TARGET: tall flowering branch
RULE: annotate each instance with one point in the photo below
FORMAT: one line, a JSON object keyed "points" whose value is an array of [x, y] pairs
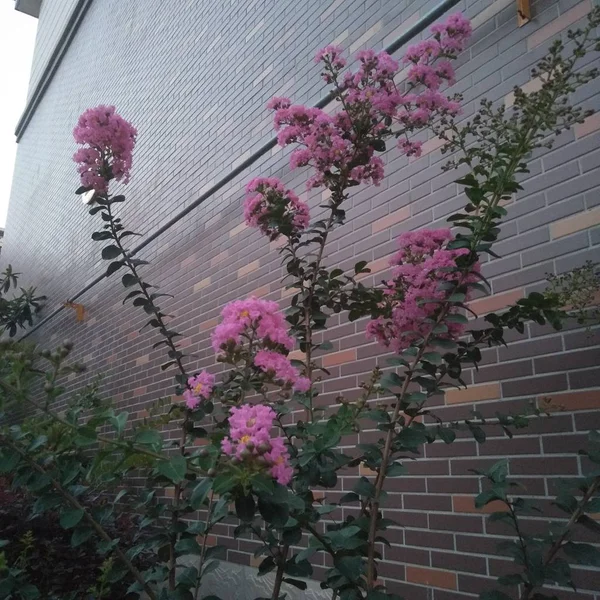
{"points": [[342, 150], [108, 141]]}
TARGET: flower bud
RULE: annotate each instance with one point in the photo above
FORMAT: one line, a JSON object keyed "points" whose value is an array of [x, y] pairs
{"points": [[211, 472], [68, 345], [262, 448], [48, 387], [250, 446]]}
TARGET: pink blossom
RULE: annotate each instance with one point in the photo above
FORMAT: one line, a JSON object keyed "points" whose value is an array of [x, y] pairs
{"points": [[278, 367], [419, 267], [250, 438], [276, 103], [199, 388], [332, 55], [411, 148], [254, 318], [273, 209], [109, 141], [333, 145], [302, 384]]}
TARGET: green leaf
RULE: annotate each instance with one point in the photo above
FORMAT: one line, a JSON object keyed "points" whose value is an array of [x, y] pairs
{"points": [[396, 470], [589, 523], [364, 487], [38, 442], [110, 252], [81, 535], [8, 462], [113, 267], [351, 567], [411, 438], [200, 492], [188, 578], [70, 518], [446, 434], [174, 470], [498, 472], [149, 437], [224, 483], [120, 421], [485, 498], [29, 592], [98, 236], [391, 380], [298, 583], [583, 554], [359, 267], [128, 280], [261, 484], [188, 546], [245, 507], [434, 358]]}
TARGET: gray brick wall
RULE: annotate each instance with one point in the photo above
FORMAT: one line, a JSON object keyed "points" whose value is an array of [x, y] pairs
{"points": [[52, 21], [194, 78]]}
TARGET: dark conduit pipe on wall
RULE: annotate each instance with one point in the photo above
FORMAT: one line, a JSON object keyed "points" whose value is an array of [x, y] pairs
{"points": [[424, 22]]}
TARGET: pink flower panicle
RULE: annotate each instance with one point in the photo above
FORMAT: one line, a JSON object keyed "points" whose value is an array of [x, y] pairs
{"points": [[250, 441], [419, 267], [251, 316], [108, 142], [330, 143], [273, 209], [280, 369], [199, 388], [261, 321]]}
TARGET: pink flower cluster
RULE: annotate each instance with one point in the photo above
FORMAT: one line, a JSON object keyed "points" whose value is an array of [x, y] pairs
{"points": [[329, 143], [258, 324], [109, 141], [199, 388], [419, 267], [279, 368], [250, 441], [273, 209], [345, 142]]}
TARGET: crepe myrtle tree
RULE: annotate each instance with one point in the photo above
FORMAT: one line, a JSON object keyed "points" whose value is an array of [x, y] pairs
{"points": [[271, 449]]}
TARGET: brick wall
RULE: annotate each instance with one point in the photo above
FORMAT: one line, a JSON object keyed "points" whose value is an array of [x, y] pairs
{"points": [[194, 78]]}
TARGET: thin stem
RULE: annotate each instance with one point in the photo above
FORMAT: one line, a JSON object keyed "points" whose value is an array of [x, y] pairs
{"points": [[204, 544], [175, 514], [155, 311], [316, 266], [94, 524], [280, 571], [176, 356], [555, 548]]}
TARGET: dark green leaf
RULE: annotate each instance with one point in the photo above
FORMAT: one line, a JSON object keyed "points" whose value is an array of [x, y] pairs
{"points": [[174, 469], [583, 554], [200, 492], [110, 252], [70, 518], [81, 535], [114, 266]]}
